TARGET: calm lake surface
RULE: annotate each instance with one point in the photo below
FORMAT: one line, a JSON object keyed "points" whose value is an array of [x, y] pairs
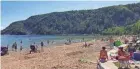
{"points": [[30, 39]]}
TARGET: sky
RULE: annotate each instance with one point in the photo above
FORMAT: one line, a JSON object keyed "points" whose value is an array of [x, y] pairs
{"points": [[12, 11]]}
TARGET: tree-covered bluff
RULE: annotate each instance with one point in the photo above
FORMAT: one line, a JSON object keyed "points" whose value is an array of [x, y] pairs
{"points": [[97, 21]]}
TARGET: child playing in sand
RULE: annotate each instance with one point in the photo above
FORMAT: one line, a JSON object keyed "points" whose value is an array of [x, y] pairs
{"points": [[103, 55]]}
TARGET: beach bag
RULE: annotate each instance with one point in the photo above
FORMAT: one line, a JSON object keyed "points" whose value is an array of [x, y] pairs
{"points": [[136, 56]]}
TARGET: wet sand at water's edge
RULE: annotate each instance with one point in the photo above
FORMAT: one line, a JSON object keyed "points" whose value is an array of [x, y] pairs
{"points": [[73, 56]]}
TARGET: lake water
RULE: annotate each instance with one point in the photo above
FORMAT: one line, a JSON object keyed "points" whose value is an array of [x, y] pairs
{"points": [[30, 39]]}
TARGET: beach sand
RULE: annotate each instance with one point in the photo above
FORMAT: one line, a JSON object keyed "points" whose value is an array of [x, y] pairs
{"points": [[73, 56]]}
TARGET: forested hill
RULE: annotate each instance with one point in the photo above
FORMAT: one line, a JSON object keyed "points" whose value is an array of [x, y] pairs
{"points": [[129, 29], [95, 21]]}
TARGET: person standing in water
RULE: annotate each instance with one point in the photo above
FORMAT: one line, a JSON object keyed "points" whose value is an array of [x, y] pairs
{"points": [[42, 45], [21, 46], [14, 46], [35, 45]]}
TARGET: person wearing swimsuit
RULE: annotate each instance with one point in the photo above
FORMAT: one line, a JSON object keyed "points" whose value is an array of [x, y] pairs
{"points": [[103, 55]]}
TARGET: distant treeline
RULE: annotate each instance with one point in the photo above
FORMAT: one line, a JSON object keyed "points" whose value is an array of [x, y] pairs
{"points": [[129, 29]]}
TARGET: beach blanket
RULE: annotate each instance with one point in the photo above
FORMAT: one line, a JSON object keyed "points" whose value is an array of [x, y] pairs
{"points": [[107, 65]]}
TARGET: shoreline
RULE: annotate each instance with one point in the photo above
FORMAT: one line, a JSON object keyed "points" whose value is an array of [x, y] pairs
{"points": [[55, 57]]}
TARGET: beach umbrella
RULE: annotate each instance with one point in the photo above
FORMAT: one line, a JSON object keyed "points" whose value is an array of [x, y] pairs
{"points": [[117, 43]]}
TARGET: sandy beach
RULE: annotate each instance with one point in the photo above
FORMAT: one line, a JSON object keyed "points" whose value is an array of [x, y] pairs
{"points": [[73, 56]]}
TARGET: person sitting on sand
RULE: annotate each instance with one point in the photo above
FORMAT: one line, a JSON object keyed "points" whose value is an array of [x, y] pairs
{"points": [[33, 49], [131, 49], [85, 45], [123, 57], [126, 41], [103, 55]]}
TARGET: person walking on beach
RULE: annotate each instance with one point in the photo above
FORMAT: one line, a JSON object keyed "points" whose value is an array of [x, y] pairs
{"points": [[7, 49], [103, 55], [35, 45], [85, 45], [48, 42], [111, 42], [83, 39], [42, 45], [15, 46], [69, 41], [21, 46]]}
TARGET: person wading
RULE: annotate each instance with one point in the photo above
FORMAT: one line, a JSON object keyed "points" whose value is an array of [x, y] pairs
{"points": [[21, 46], [14, 46]]}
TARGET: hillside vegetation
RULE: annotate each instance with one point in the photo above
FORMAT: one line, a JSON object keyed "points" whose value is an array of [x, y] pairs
{"points": [[130, 29], [107, 20]]}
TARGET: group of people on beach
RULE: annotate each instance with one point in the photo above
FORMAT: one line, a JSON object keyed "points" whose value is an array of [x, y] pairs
{"points": [[123, 55], [14, 46], [33, 47]]}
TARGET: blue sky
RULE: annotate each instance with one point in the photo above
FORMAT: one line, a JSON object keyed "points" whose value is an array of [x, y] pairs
{"points": [[20, 10]]}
